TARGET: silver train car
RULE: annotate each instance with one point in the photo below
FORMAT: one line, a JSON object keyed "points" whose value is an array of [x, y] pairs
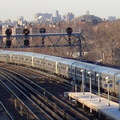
{"points": [[70, 69]]}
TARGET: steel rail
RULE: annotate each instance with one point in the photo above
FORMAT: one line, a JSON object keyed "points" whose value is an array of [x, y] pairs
{"points": [[74, 111], [17, 97], [11, 118], [35, 103]]}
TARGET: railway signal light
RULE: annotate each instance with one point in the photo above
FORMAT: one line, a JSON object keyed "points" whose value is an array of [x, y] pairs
{"points": [[8, 43], [43, 41], [8, 32], [26, 32], [69, 30], [69, 41], [26, 42], [42, 30]]}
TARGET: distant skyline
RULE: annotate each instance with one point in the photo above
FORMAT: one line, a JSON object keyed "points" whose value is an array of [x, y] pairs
{"points": [[11, 9]]}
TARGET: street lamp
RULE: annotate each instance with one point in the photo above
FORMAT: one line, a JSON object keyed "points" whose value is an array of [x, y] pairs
{"points": [[90, 78], [82, 81], [98, 76], [119, 93], [108, 85]]}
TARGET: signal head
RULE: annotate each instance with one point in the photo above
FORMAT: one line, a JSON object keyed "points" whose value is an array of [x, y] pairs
{"points": [[69, 30], [26, 31], [42, 30], [26, 42], [8, 32], [8, 43]]}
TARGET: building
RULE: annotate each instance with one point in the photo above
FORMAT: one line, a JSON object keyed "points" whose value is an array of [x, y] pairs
{"points": [[68, 17], [88, 18], [111, 18], [21, 18], [21, 21], [57, 18], [42, 17]]}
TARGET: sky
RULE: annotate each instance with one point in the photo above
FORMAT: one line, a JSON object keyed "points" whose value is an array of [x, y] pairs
{"points": [[11, 9]]}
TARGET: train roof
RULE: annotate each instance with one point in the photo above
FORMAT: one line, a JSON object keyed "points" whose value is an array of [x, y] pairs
{"points": [[53, 58], [22, 53], [40, 55], [84, 65], [68, 61], [97, 68], [106, 71], [6, 52], [117, 77]]}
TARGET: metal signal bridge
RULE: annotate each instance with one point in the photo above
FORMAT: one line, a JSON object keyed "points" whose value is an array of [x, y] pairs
{"points": [[43, 39]]}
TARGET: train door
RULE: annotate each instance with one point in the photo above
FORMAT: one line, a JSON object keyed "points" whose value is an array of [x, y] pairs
{"points": [[73, 72], [44, 63], [56, 67], [115, 84]]}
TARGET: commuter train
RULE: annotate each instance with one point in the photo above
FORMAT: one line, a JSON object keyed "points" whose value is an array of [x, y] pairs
{"points": [[71, 69]]}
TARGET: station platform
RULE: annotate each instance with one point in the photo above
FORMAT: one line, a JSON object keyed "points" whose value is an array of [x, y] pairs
{"points": [[102, 107]]}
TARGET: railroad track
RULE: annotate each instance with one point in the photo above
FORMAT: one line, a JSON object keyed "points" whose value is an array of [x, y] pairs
{"points": [[16, 94], [66, 84], [4, 113], [43, 91], [42, 100]]}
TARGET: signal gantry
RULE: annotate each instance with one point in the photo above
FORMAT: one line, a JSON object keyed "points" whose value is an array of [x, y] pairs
{"points": [[43, 39]]}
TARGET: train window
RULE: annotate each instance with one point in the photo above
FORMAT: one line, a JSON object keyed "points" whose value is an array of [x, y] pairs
{"points": [[104, 79], [64, 68], [117, 83], [15, 57], [26, 59], [69, 69], [87, 75], [73, 70], [111, 81], [100, 78], [78, 72], [92, 76], [49, 64], [5, 56], [37, 61]]}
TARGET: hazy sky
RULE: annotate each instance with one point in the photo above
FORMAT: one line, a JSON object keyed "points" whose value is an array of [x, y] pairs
{"points": [[15, 8]]}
